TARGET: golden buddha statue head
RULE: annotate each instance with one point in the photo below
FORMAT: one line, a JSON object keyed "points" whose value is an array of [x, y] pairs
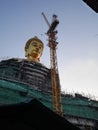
{"points": [[33, 49]]}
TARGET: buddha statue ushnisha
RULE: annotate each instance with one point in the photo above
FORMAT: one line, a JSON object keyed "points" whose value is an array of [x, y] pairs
{"points": [[33, 49]]}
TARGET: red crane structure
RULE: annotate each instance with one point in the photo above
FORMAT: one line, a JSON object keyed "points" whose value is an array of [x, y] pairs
{"points": [[56, 88]]}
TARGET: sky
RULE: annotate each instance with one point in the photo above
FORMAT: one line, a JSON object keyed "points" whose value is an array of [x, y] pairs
{"points": [[77, 51]]}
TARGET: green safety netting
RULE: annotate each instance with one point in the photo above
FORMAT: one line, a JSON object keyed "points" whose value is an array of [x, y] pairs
{"points": [[15, 92]]}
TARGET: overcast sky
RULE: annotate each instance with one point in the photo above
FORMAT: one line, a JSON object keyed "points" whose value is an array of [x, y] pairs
{"points": [[77, 50]]}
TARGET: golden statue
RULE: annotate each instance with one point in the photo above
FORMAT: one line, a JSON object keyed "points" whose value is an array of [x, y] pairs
{"points": [[33, 49]]}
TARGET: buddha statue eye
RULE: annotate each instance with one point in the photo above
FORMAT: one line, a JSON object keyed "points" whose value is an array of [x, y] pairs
{"points": [[40, 47]]}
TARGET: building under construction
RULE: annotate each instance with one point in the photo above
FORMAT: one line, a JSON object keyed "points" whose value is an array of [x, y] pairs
{"points": [[22, 80]]}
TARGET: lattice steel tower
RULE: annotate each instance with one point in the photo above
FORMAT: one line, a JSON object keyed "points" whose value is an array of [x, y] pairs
{"points": [[56, 88]]}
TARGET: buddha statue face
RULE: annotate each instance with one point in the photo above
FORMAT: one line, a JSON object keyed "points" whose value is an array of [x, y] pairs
{"points": [[33, 49]]}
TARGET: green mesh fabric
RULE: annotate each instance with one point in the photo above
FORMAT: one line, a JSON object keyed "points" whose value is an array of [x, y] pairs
{"points": [[15, 92]]}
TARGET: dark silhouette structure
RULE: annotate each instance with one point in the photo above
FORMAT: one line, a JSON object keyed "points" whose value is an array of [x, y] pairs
{"points": [[32, 116], [92, 4]]}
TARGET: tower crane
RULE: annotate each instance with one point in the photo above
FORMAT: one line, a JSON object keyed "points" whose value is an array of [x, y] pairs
{"points": [[56, 88]]}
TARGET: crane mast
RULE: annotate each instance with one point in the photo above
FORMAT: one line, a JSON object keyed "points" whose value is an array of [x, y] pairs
{"points": [[56, 88]]}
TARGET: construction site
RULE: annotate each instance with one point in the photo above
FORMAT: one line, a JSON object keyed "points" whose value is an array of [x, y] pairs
{"points": [[22, 80]]}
